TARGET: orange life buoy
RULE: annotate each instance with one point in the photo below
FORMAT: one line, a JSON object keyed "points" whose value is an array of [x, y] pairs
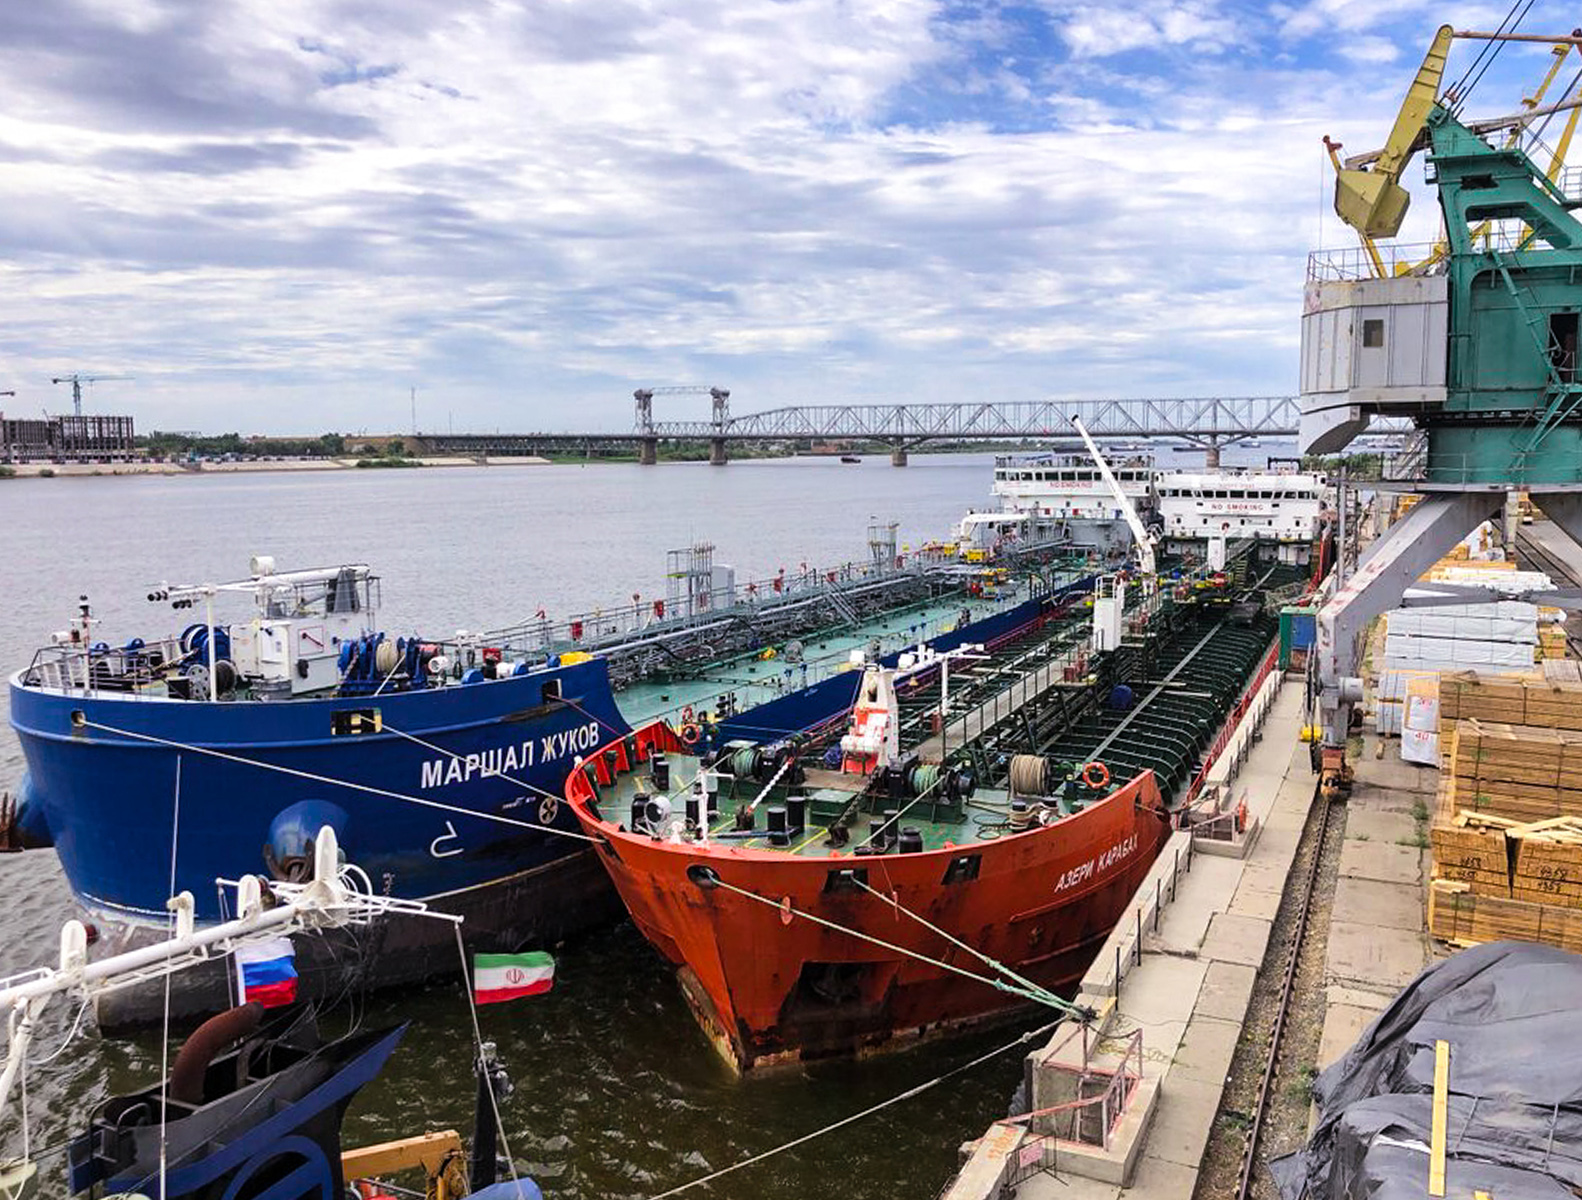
{"points": [[1241, 817], [1102, 771], [691, 733]]}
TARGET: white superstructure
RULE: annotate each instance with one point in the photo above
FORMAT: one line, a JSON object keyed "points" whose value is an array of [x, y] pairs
{"points": [[1069, 490], [1280, 506]]}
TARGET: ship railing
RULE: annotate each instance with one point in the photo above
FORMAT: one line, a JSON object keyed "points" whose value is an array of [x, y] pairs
{"points": [[1232, 721], [657, 615], [1468, 470], [131, 670]]}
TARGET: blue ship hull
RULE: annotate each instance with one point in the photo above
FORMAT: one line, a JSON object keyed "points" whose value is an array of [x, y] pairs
{"points": [[413, 802]]}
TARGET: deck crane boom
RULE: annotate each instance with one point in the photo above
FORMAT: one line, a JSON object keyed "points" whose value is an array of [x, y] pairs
{"points": [[1370, 198], [1144, 539]]}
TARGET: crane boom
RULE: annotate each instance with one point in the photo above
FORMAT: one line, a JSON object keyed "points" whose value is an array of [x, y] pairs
{"points": [[77, 381], [1145, 542], [1372, 201]]}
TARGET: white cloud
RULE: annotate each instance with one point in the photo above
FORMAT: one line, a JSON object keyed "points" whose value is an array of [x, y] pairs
{"points": [[281, 215]]}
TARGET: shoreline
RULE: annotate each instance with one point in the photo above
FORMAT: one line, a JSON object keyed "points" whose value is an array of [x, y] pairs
{"points": [[36, 470]]}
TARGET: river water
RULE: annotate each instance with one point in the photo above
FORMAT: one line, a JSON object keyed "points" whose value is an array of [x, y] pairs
{"points": [[618, 1093]]}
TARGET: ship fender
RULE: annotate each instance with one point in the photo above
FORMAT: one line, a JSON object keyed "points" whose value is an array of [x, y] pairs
{"points": [[288, 853]]}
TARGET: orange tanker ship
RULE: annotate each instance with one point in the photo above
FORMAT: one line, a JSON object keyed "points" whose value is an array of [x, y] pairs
{"points": [[832, 897], [792, 942]]}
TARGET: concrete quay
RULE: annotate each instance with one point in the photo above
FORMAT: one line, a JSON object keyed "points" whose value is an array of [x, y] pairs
{"points": [[1205, 921]]}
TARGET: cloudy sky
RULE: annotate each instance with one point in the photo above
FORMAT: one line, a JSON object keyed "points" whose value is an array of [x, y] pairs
{"points": [[280, 215]]}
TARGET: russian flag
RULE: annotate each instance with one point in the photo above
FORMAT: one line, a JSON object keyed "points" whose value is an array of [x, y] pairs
{"points": [[267, 972]]}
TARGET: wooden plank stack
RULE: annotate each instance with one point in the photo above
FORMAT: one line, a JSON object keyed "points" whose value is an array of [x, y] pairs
{"points": [[1457, 914], [1507, 831], [1523, 772], [1511, 700], [1468, 847]]}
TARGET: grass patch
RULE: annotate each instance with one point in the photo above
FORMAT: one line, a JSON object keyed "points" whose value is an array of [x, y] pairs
{"points": [[7, 472], [1301, 1087], [1420, 810], [1418, 839], [46, 473], [1361, 837]]}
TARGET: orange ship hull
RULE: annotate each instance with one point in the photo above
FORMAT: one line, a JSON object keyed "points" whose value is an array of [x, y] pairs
{"points": [[770, 984]]}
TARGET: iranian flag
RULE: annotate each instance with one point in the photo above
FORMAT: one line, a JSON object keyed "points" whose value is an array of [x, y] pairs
{"points": [[497, 977]]}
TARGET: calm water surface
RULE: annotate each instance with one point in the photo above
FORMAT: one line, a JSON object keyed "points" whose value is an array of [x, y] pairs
{"points": [[618, 1093]]}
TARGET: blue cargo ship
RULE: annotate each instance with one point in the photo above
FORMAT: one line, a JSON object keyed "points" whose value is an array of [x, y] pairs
{"points": [[439, 763]]}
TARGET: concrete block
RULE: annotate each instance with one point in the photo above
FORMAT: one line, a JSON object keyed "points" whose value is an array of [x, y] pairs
{"points": [[1117, 1164], [1181, 1126], [987, 1165], [1226, 991], [1380, 825], [1205, 1052], [1388, 863], [1369, 902], [1237, 939], [1343, 1025], [1249, 902], [1160, 1179], [1373, 957], [1263, 875]]}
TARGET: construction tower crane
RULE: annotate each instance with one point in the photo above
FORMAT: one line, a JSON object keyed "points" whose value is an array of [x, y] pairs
{"points": [[1140, 534], [77, 381]]}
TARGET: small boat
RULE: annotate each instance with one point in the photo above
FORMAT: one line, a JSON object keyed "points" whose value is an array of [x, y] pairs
{"points": [[254, 1100], [850, 458]]}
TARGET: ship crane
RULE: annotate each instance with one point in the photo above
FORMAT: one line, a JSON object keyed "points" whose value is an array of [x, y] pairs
{"points": [[1140, 533], [1477, 345], [77, 381]]}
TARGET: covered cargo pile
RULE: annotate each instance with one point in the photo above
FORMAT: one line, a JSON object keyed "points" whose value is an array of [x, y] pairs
{"points": [[1507, 1013], [1497, 637], [1507, 831]]}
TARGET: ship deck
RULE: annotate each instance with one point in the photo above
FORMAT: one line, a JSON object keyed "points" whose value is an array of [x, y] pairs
{"points": [[984, 817], [755, 680]]}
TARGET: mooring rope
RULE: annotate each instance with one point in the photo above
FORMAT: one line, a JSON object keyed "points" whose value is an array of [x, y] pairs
{"points": [[1037, 996], [1029, 1036], [1051, 999], [422, 801]]}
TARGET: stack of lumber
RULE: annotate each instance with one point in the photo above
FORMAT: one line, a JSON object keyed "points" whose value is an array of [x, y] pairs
{"points": [[1551, 641], [1520, 772], [1469, 847], [1507, 832], [1511, 700], [1459, 915], [1562, 671]]}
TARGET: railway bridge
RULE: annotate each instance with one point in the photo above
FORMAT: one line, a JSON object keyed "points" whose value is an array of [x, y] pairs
{"points": [[1210, 422]]}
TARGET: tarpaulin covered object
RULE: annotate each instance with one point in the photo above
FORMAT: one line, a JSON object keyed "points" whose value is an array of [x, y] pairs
{"points": [[1512, 1015]]}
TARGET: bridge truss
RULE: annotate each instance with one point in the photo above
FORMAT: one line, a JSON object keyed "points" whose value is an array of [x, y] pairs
{"points": [[1213, 418]]}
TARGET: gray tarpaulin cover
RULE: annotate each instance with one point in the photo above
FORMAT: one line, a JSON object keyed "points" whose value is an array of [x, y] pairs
{"points": [[1512, 1013]]}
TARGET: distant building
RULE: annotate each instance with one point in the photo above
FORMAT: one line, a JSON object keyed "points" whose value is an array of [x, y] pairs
{"points": [[67, 438]]}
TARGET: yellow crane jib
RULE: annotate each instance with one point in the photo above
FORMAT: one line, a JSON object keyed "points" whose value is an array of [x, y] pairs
{"points": [[1370, 198]]}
